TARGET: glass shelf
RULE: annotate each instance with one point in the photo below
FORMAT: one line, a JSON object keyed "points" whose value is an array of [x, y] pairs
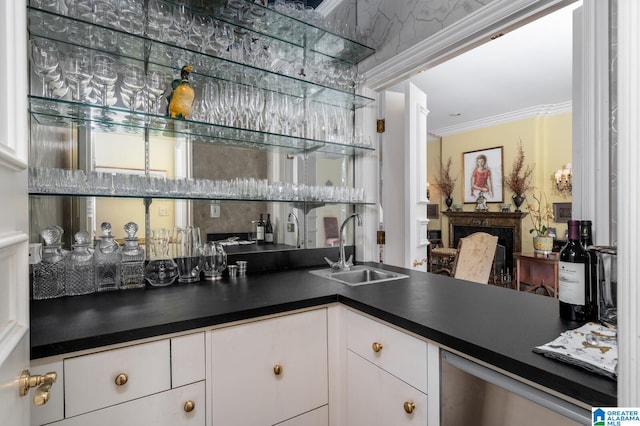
{"points": [[74, 183], [79, 33], [63, 113]]}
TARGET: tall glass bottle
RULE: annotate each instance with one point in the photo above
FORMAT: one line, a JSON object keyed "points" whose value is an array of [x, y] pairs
{"points": [[268, 230], [80, 266], [49, 274], [574, 292], [260, 231], [132, 272], [108, 256], [586, 239]]}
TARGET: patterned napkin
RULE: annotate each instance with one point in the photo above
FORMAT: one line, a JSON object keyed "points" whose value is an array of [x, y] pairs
{"points": [[592, 346]]}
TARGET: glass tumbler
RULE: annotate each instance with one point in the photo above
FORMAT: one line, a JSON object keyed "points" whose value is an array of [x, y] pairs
{"points": [[188, 253]]}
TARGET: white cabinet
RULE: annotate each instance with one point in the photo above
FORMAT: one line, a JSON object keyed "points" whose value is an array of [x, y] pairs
{"points": [[269, 371], [392, 377], [159, 382], [317, 417]]}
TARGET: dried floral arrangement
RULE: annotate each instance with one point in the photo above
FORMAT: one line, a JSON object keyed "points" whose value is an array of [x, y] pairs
{"points": [[541, 214], [519, 180], [444, 182]]}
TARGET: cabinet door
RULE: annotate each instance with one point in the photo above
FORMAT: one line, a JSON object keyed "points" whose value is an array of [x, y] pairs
{"points": [[375, 397], [164, 409], [269, 371]]}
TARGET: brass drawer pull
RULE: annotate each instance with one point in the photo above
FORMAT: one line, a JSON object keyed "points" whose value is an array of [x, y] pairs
{"points": [[409, 407], [277, 369], [189, 406], [377, 347], [121, 379], [42, 382]]}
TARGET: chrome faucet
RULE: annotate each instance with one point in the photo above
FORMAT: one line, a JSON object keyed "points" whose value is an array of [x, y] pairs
{"points": [[341, 264]]}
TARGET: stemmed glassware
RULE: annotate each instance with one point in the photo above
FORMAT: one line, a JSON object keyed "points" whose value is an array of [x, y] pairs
{"points": [[182, 19], [77, 72], [203, 30], [45, 59], [133, 81], [160, 18], [157, 83]]}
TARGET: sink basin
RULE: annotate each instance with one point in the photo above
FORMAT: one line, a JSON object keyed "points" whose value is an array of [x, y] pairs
{"points": [[359, 275]]}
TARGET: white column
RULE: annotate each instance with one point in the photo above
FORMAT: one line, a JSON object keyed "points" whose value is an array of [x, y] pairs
{"points": [[628, 202]]}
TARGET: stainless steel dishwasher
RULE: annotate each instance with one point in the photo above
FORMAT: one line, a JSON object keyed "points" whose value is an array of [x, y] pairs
{"points": [[472, 394]]}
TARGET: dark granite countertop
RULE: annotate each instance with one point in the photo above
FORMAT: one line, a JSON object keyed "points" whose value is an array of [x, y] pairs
{"points": [[495, 325]]}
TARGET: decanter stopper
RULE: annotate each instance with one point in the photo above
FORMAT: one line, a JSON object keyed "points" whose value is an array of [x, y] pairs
{"points": [[52, 235], [106, 229], [131, 228], [81, 237]]}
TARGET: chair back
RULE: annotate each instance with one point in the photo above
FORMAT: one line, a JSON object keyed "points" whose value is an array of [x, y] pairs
{"points": [[475, 257], [331, 231]]}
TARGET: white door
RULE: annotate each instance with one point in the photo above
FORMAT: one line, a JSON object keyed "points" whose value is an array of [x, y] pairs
{"points": [[404, 177], [14, 245]]}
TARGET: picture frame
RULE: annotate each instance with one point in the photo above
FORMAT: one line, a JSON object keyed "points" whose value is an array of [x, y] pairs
{"points": [[472, 181], [433, 211], [561, 212]]}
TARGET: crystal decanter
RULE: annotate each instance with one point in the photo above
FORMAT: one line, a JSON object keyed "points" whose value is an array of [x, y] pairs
{"points": [[49, 274], [132, 271], [108, 256], [80, 266]]}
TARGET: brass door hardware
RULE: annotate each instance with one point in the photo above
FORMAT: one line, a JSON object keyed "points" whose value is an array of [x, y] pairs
{"points": [[417, 262], [43, 382], [277, 369], [121, 379], [380, 125], [189, 406], [377, 347], [409, 407]]}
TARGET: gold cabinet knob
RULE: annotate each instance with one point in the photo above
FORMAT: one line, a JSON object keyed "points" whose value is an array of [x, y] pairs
{"points": [[409, 407], [417, 262], [122, 379], [43, 382], [189, 406], [277, 369], [377, 347]]}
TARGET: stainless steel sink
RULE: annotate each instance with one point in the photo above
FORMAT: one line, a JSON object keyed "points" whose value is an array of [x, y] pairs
{"points": [[359, 275]]}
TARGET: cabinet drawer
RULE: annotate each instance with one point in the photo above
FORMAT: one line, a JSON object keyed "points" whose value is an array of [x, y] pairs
{"points": [[247, 390], [402, 355], [375, 397], [187, 359], [162, 409], [90, 380]]}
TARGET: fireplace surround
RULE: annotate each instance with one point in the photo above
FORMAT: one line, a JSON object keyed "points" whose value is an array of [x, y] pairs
{"points": [[506, 226]]}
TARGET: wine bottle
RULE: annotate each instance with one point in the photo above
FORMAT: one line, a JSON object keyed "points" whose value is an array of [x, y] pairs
{"points": [[586, 239], [268, 230], [573, 273], [260, 230]]}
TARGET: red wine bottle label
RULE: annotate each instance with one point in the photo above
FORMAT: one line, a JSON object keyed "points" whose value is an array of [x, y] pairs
{"points": [[571, 282]]}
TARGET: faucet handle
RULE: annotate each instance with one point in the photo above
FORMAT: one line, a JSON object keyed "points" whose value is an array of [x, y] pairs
{"points": [[333, 265], [349, 261]]}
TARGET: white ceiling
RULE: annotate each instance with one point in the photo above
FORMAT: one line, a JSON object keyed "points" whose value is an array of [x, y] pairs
{"points": [[526, 69]]}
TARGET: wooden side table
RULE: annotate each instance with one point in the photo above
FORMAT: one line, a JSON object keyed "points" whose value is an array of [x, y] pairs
{"points": [[538, 272], [442, 258]]}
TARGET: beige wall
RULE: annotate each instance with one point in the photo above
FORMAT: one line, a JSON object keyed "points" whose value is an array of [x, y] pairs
{"points": [[122, 151], [546, 142]]}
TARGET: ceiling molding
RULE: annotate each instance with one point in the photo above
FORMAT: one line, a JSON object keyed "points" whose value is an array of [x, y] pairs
{"points": [[521, 114], [470, 31]]}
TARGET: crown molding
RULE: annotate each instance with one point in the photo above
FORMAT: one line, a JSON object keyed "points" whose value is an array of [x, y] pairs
{"points": [[521, 114]]}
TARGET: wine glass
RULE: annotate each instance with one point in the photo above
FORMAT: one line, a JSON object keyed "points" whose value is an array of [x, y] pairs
{"points": [[44, 57], [203, 29], [133, 81], [160, 18], [182, 19], [156, 84], [77, 73]]}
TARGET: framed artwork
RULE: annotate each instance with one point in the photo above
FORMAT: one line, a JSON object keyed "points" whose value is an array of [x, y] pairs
{"points": [[432, 211], [561, 212], [482, 172]]}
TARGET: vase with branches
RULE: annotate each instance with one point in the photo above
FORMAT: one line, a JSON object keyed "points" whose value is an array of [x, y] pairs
{"points": [[444, 182], [519, 179]]}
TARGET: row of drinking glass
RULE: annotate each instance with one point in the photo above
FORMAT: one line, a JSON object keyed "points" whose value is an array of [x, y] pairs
{"points": [[73, 181], [179, 25], [94, 78]]}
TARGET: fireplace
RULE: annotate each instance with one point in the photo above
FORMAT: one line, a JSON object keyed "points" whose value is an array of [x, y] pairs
{"points": [[506, 226]]}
